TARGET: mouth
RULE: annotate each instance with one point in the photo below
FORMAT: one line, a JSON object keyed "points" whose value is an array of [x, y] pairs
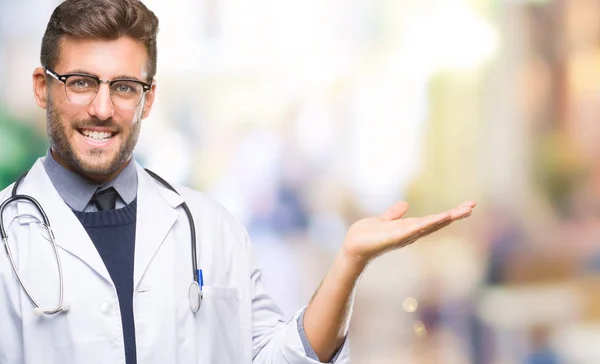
{"points": [[97, 136]]}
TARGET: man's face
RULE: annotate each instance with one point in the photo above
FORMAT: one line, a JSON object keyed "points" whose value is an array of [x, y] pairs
{"points": [[95, 140]]}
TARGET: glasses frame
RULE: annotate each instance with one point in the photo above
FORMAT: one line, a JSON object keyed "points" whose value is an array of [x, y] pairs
{"points": [[63, 78]]}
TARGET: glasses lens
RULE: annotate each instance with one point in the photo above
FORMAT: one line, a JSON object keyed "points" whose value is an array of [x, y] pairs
{"points": [[126, 94], [81, 89]]}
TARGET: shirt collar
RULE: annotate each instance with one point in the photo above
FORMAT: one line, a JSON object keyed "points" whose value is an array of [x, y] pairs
{"points": [[77, 191]]}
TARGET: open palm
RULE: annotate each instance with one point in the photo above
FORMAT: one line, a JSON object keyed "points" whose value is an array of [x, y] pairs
{"points": [[373, 236]]}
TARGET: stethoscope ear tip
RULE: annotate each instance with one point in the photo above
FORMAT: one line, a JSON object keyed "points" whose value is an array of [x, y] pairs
{"points": [[66, 306], [38, 311]]}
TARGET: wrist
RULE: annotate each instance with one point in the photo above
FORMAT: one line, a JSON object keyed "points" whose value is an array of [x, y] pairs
{"points": [[352, 263]]}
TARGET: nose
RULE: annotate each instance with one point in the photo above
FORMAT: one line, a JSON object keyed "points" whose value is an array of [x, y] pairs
{"points": [[102, 106]]}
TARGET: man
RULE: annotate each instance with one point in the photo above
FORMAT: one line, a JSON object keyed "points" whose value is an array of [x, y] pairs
{"points": [[123, 237]]}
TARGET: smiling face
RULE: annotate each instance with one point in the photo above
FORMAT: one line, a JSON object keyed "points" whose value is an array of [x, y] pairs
{"points": [[95, 140]]}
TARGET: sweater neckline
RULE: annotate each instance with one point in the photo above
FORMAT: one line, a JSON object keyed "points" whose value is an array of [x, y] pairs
{"points": [[123, 216]]}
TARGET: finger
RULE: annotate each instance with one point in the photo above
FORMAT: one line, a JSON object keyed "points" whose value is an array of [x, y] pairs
{"points": [[395, 211], [408, 230], [438, 226], [418, 226], [432, 229], [460, 212], [429, 231], [443, 224], [470, 203]]}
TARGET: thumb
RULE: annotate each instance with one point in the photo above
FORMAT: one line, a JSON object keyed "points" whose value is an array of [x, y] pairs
{"points": [[395, 211]]}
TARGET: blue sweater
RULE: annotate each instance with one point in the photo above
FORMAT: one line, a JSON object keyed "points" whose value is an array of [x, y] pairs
{"points": [[113, 234]]}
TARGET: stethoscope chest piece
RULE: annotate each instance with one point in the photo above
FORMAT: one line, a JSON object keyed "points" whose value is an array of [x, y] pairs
{"points": [[195, 296]]}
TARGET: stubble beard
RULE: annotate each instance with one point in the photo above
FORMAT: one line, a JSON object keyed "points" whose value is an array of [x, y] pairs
{"points": [[60, 145]]}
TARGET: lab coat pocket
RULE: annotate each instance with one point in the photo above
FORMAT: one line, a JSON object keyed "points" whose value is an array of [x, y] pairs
{"points": [[219, 325]]}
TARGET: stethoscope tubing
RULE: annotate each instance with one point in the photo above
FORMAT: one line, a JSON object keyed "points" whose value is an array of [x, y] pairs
{"points": [[46, 224], [190, 218], [195, 288]]}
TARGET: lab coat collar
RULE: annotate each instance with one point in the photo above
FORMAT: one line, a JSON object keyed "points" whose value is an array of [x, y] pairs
{"points": [[70, 235], [156, 214]]}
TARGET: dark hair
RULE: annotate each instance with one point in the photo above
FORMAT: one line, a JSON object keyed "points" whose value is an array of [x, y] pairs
{"points": [[100, 19]]}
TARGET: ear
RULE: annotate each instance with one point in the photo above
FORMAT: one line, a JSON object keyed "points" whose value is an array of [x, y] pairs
{"points": [[149, 100], [40, 87]]}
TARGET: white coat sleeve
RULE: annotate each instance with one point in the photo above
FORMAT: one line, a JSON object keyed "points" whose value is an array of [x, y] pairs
{"points": [[275, 341]]}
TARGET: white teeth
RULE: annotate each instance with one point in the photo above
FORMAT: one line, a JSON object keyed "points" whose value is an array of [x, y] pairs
{"points": [[95, 135]]}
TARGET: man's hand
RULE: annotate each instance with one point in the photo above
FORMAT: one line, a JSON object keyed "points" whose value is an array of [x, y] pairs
{"points": [[373, 236], [327, 317]]}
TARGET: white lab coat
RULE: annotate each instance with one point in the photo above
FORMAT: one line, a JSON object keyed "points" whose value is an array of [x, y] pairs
{"points": [[237, 323]]}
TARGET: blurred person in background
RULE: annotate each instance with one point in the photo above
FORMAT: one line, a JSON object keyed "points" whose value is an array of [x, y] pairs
{"points": [[118, 258]]}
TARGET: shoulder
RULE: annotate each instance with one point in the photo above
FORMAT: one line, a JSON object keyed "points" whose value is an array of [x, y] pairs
{"points": [[209, 209], [7, 210], [5, 193], [211, 218], [225, 235]]}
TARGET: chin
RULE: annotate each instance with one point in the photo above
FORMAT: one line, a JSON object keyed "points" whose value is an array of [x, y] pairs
{"points": [[98, 168]]}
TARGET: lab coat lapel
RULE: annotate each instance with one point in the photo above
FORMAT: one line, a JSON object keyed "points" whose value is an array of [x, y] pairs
{"points": [[70, 235], [156, 214]]}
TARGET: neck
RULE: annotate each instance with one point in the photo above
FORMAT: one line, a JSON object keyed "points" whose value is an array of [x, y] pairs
{"points": [[96, 178]]}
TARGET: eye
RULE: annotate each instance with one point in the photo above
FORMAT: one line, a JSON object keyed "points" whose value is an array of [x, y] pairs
{"points": [[79, 82], [123, 88]]}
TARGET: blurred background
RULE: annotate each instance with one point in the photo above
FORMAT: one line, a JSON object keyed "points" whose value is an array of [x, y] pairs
{"points": [[303, 116]]}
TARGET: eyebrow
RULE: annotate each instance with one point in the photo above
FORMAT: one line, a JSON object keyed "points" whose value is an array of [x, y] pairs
{"points": [[119, 77]]}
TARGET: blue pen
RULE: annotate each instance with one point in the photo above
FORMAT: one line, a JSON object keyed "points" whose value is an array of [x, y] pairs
{"points": [[195, 292]]}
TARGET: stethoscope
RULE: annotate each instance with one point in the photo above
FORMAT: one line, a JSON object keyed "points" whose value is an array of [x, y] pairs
{"points": [[194, 293]]}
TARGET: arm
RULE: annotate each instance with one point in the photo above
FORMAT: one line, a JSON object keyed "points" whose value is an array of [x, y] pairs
{"points": [[327, 317]]}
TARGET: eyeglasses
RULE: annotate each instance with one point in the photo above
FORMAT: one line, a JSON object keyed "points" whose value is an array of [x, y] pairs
{"points": [[82, 89]]}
